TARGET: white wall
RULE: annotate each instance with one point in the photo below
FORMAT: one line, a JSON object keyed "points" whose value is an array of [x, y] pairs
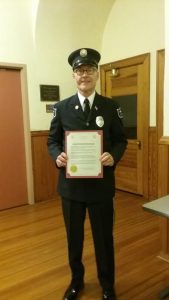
{"points": [[62, 27], [16, 39], [166, 78], [135, 27], [42, 33]]}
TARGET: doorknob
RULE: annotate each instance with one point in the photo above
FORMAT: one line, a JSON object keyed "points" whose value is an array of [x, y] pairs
{"points": [[139, 144], [115, 72]]}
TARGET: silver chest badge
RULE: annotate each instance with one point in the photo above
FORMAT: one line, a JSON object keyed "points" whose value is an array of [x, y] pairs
{"points": [[100, 121]]}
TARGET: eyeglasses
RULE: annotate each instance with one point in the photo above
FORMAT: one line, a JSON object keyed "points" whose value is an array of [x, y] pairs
{"points": [[88, 71]]}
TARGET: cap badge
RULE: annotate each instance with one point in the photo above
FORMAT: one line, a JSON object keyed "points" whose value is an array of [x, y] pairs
{"points": [[83, 52], [100, 121]]}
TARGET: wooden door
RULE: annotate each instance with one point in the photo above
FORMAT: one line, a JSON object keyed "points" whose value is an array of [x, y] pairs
{"points": [[13, 173], [127, 82]]}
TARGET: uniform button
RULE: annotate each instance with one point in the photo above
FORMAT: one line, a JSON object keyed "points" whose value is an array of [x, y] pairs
{"points": [[87, 124]]}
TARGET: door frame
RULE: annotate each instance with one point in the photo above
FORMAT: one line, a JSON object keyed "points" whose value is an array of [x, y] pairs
{"points": [[26, 125], [144, 98]]}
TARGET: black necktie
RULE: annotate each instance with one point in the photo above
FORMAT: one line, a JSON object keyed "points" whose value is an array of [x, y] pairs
{"points": [[86, 108]]}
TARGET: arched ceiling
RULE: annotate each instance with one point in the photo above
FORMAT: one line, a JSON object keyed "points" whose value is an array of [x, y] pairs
{"points": [[82, 21]]}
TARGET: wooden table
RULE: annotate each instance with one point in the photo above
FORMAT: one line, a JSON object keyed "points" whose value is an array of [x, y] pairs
{"points": [[159, 207]]}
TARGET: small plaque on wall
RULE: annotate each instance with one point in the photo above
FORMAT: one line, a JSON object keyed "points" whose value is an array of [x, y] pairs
{"points": [[49, 108], [49, 92]]}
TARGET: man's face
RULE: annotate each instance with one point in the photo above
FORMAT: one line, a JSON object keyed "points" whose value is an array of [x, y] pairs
{"points": [[86, 77]]}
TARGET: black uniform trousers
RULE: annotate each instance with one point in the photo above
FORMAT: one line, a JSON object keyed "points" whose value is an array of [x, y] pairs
{"points": [[101, 216]]}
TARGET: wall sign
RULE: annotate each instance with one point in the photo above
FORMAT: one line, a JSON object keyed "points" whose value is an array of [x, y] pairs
{"points": [[49, 92], [49, 108]]}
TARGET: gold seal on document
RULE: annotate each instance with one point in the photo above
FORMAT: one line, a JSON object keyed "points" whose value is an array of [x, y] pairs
{"points": [[73, 169]]}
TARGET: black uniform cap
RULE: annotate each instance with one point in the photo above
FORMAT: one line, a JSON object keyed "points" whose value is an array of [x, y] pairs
{"points": [[84, 56]]}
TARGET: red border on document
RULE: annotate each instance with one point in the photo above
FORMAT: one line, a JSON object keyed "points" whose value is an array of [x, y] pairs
{"points": [[100, 132]]}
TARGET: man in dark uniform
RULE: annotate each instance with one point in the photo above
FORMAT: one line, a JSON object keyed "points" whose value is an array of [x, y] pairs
{"points": [[94, 194]]}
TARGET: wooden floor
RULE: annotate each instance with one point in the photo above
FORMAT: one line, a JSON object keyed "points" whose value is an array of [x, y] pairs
{"points": [[33, 259]]}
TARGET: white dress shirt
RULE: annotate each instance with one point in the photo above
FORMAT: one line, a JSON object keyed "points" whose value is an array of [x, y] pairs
{"points": [[90, 98]]}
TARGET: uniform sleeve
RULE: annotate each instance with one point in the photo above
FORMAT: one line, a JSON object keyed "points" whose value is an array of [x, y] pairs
{"points": [[55, 137], [119, 139]]}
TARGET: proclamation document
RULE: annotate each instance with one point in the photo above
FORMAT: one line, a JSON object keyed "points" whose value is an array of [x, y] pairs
{"points": [[84, 149]]}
